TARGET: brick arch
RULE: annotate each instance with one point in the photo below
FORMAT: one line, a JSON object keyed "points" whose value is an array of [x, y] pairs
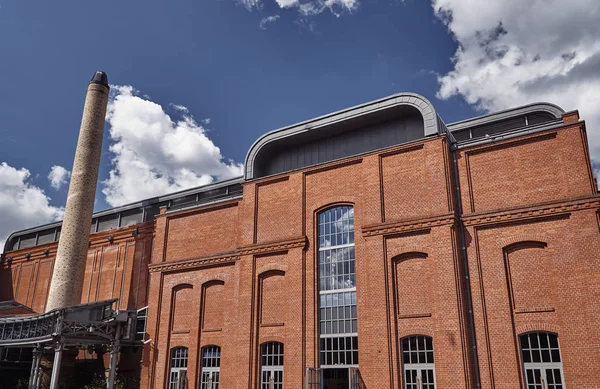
{"points": [[522, 238], [176, 345], [271, 267], [537, 327], [415, 331], [340, 202], [270, 338], [182, 286], [213, 281], [409, 255]]}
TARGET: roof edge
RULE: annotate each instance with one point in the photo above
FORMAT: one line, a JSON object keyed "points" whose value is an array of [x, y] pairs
{"points": [[432, 122], [553, 109]]}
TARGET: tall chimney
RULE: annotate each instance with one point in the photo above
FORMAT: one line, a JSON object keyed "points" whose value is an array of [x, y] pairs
{"points": [[69, 266]]}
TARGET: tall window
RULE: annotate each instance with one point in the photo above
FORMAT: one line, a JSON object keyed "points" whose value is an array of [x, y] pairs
{"points": [[271, 365], [211, 367], [178, 372], [417, 362], [541, 361], [338, 327]]}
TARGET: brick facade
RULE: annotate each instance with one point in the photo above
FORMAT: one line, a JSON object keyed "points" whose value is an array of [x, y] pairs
{"points": [[243, 272]]}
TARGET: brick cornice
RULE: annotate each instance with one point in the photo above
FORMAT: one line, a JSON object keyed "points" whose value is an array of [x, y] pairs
{"points": [[531, 213], [272, 247], [228, 257], [195, 263], [407, 225]]}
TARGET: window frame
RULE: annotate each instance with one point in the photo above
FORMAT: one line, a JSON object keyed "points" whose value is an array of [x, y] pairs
{"points": [[266, 368], [418, 366], [210, 369], [542, 366], [176, 372]]}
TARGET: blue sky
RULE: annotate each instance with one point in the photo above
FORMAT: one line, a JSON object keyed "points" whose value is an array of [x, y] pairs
{"points": [[216, 59]]}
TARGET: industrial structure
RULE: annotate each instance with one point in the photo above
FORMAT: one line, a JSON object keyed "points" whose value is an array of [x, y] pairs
{"points": [[374, 247]]}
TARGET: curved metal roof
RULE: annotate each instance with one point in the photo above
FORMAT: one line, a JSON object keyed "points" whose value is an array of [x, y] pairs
{"points": [[433, 124], [553, 109]]}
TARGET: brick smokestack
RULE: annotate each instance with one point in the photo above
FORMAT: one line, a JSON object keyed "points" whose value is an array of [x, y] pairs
{"points": [[69, 266]]}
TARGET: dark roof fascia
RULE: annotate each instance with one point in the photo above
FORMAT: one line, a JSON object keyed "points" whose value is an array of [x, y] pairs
{"points": [[496, 116], [200, 205], [513, 134], [433, 124], [137, 204]]}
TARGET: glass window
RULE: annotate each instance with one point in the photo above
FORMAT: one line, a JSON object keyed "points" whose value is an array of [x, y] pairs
{"points": [[417, 362], [140, 324], [211, 367], [338, 326], [541, 361], [178, 372], [271, 365]]}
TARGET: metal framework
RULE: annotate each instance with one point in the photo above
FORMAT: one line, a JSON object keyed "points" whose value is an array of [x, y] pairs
{"points": [[94, 323]]}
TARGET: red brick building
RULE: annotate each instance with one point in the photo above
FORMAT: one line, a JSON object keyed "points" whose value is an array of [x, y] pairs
{"points": [[373, 247]]}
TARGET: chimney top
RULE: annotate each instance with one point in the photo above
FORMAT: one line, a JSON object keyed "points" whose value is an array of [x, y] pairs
{"points": [[100, 78]]}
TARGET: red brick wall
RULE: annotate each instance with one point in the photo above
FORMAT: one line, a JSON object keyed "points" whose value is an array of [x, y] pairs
{"points": [[116, 269], [249, 266]]}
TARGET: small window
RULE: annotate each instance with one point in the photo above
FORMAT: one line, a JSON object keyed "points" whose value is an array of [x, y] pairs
{"points": [[178, 372], [108, 222], [140, 324], [131, 217], [417, 362], [271, 366], [541, 361], [28, 240], [211, 367]]}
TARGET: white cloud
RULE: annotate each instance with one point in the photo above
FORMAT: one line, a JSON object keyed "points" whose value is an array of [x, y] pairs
{"points": [[308, 7], [267, 20], [514, 52], [58, 176], [22, 205], [153, 154], [178, 107]]}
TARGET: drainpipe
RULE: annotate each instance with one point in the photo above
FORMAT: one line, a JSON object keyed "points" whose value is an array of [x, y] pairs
{"points": [[463, 249]]}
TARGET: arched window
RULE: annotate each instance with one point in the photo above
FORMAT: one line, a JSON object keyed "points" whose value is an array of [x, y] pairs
{"points": [[417, 362], [178, 372], [211, 367], [541, 361], [338, 324], [271, 365]]}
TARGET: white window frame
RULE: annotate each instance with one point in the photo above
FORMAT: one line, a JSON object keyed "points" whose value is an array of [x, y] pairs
{"points": [[419, 367], [268, 370], [211, 371], [178, 374], [543, 367]]}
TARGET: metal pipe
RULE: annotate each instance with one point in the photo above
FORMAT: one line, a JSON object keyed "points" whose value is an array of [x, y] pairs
{"points": [[463, 250], [114, 353], [35, 364], [58, 352]]}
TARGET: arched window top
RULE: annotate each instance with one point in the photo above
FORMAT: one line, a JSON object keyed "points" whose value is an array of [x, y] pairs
{"points": [[417, 349], [336, 226], [179, 357], [542, 363], [540, 347], [271, 354], [211, 356]]}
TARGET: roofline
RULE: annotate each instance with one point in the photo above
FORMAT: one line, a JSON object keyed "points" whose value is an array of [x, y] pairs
{"points": [[432, 122], [495, 116], [137, 204]]}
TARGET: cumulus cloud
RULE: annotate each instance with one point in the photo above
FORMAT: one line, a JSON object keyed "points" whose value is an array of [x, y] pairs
{"points": [[22, 204], [514, 52], [154, 154], [58, 176], [267, 20], [308, 7]]}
